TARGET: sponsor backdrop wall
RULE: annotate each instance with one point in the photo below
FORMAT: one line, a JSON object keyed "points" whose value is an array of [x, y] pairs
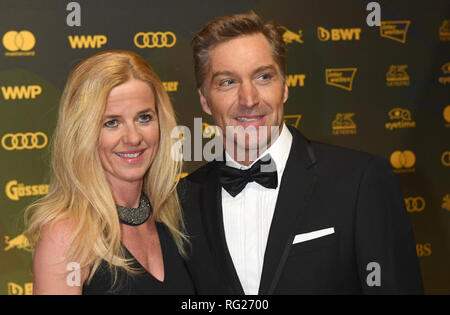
{"points": [[381, 89]]}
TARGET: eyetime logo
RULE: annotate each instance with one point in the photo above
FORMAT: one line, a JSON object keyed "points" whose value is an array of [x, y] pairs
{"points": [[21, 92], [446, 71], [292, 120], [415, 204], [423, 250], [18, 242], [338, 34], [446, 114], [343, 124], [403, 161], [289, 36], [87, 41], [295, 80], [171, 86], [19, 43], [397, 76], [400, 118], [445, 158], [444, 31], [395, 30], [340, 77], [21, 141], [15, 190], [155, 40], [16, 289]]}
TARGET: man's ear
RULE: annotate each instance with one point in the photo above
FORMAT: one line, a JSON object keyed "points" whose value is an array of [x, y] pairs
{"points": [[204, 102], [285, 93]]}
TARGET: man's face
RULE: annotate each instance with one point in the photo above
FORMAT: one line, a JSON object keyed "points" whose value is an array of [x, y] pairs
{"points": [[244, 88]]}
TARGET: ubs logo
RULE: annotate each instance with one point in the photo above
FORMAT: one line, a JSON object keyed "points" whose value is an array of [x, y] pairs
{"points": [[341, 78], [343, 124], [397, 76], [19, 43], [415, 204], [155, 39], [289, 36], [22, 141], [423, 250], [395, 30], [171, 86], [209, 131], [403, 161]]}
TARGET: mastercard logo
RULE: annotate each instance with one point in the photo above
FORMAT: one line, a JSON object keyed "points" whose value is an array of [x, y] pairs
{"points": [[403, 159], [19, 41]]}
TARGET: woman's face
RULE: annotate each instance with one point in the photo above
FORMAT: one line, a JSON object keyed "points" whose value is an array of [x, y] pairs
{"points": [[129, 137]]}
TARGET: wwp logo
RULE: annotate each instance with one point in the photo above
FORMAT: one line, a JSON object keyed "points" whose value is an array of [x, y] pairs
{"points": [[21, 92], [87, 41]]}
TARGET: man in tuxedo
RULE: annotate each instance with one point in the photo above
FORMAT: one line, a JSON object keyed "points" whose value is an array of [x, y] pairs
{"points": [[283, 214]]}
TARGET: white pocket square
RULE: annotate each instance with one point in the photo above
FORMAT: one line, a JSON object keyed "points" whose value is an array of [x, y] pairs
{"points": [[312, 235]]}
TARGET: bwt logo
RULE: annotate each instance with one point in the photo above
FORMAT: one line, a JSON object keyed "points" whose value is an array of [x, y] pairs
{"points": [[155, 39], [294, 80], [337, 34], [87, 41], [21, 92]]}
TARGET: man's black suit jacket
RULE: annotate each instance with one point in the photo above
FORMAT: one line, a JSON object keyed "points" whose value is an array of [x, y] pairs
{"points": [[323, 186]]}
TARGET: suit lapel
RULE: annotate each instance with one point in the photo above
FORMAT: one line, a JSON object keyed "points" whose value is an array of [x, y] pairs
{"points": [[296, 187], [213, 224]]}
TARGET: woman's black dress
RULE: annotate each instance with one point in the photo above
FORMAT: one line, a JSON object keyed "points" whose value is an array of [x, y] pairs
{"points": [[176, 277]]}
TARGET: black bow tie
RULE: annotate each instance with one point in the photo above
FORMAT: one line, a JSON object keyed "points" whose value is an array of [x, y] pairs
{"points": [[234, 180]]}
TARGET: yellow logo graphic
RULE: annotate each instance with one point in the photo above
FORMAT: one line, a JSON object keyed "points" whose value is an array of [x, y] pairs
{"points": [[155, 39], [294, 80], [209, 131], [341, 78], [446, 70], [16, 289], [415, 204], [444, 31], [446, 202], [446, 115], [395, 30], [19, 242], [397, 76], [292, 120], [343, 124], [15, 190], [181, 175], [21, 141], [445, 158], [21, 92], [171, 86], [289, 36], [87, 41], [19, 43], [401, 119], [423, 250], [403, 161], [337, 34]]}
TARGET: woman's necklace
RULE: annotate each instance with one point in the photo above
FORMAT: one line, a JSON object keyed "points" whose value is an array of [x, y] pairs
{"points": [[136, 216]]}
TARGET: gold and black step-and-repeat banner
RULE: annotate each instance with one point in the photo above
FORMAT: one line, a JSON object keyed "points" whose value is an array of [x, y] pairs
{"points": [[381, 89]]}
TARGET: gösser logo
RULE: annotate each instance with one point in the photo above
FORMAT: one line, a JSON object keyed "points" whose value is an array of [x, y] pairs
{"points": [[21, 141], [414, 204], [15, 190], [155, 39]]}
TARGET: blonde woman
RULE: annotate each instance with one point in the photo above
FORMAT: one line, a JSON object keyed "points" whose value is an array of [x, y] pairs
{"points": [[111, 222]]}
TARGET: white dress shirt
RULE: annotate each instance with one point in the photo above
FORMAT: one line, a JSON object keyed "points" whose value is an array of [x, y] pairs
{"points": [[248, 216]]}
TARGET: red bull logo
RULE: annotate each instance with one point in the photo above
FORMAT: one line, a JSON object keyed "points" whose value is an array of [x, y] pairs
{"points": [[18, 242]]}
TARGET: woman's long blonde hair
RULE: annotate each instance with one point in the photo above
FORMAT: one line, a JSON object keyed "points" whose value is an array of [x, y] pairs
{"points": [[79, 190]]}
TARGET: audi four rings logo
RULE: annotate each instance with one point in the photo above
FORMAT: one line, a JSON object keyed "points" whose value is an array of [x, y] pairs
{"points": [[155, 39], [415, 204], [21, 141]]}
